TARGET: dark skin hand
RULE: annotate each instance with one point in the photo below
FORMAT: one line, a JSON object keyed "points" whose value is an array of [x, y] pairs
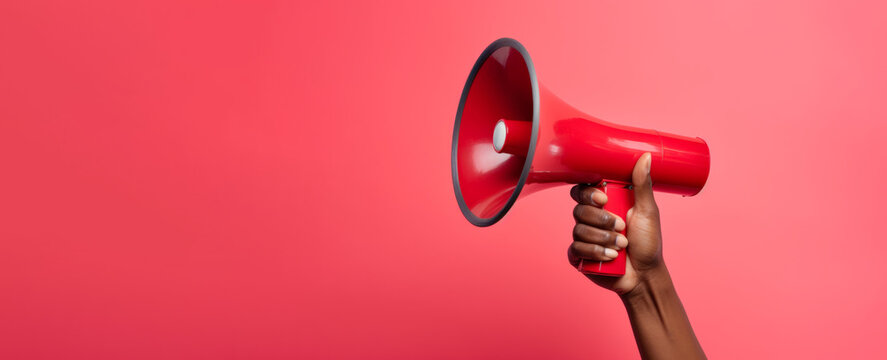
{"points": [[660, 324]]}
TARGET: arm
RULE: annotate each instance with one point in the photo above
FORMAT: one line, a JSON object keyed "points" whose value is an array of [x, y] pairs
{"points": [[660, 324]]}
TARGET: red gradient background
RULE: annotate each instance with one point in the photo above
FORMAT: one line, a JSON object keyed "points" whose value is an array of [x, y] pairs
{"points": [[261, 180]]}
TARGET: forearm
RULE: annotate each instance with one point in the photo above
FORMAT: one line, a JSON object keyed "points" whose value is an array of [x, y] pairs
{"points": [[660, 324]]}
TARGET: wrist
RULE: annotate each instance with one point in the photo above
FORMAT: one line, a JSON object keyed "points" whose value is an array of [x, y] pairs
{"points": [[658, 319], [652, 283]]}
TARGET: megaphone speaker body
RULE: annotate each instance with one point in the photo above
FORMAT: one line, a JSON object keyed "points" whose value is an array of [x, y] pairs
{"points": [[513, 137]]}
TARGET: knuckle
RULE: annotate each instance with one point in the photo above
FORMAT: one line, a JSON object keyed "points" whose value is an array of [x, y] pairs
{"points": [[577, 231], [576, 248], [608, 237], [582, 232], [580, 212], [605, 218], [650, 212], [577, 212]]}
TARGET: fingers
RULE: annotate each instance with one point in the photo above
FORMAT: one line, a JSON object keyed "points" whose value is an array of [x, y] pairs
{"points": [[599, 218], [593, 235], [592, 251], [643, 184], [588, 195]]}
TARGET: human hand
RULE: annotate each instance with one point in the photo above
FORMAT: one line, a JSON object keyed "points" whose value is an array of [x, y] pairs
{"points": [[596, 234]]}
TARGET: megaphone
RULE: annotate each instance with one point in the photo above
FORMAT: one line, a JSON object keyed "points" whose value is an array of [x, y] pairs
{"points": [[513, 137]]}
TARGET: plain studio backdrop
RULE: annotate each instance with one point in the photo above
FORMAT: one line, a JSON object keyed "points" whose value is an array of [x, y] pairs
{"points": [[263, 179]]}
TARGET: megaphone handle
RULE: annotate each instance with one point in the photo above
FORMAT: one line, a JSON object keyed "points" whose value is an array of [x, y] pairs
{"points": [[620, 198]]}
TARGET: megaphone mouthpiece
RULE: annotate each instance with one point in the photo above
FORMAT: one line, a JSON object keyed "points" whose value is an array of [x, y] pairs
{"points": [[499, 134], [512, 136]]}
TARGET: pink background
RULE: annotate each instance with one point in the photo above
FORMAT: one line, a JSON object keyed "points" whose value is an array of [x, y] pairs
{"points": [[271, 179]]}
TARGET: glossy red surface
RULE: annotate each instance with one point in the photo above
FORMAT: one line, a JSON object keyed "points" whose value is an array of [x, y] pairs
{"points": [[568, 146], [575, 147], [620, 198], [517, 136]]}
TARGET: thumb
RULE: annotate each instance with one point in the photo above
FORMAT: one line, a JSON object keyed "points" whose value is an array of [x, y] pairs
{"points": [[643, 184]]}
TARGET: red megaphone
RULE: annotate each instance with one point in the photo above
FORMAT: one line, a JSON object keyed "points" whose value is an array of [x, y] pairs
{"points": [[513, 137]]}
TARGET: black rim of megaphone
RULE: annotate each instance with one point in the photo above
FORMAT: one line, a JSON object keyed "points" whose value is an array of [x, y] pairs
{"points": [[503, 42]]}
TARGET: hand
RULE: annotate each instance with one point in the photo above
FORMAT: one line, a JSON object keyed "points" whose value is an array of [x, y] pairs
{"points": [[596, 237], [661, 327]]}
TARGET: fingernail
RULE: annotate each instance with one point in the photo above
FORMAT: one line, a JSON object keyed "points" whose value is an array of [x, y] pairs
{"points": [[598, 198], [621, 241], [610, 253], [649, 162], [620, 224]]}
